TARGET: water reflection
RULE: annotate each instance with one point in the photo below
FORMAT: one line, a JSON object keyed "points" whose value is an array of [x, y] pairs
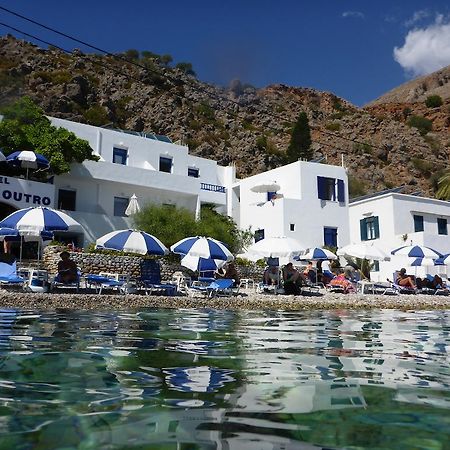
{"points": [[215, 379]]}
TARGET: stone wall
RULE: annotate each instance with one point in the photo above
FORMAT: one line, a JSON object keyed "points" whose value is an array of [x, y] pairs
{"points": [[97, 262]]}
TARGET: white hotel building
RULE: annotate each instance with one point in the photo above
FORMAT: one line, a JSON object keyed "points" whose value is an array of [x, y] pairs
{"points": [[311, 203], [391, 220]]}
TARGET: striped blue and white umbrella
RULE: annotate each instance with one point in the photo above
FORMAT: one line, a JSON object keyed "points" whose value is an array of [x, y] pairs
{"points": [[422, 262], [12, 234], [416, 251], [201, 264], [33, 221], [443, 260], [132, 241], [204, 247], [28, 160], [317, 254]]}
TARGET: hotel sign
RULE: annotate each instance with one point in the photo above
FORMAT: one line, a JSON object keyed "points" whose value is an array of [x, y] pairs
{"points": [[24, 193]]}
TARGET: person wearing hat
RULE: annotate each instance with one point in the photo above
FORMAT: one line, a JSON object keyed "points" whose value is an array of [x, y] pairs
{"points": [[67, 269], [405, 280]]}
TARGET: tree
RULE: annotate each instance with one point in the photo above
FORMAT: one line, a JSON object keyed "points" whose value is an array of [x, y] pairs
{"points": [[25, 127], [444, 187], [433, 101], [171, 224], [300, 144], [186, 67]]}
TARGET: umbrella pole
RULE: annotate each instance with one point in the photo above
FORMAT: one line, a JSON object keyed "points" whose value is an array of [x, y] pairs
{"points": [[20, 252]]}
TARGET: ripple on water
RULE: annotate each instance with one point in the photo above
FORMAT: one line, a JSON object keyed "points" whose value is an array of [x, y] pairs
{"points": [[242, 379]]}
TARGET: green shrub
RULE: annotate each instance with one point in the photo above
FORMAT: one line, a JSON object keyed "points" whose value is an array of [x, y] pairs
{"points": [[421, 123], [433, 101], [356, 187], [333, 126], [247, 125], [96, 115], [204, 110], [54, 77], [362, 147], [423, 166]]}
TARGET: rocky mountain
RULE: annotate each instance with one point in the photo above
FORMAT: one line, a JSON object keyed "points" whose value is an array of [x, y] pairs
{"points": [[417, 90], [250, 127]]}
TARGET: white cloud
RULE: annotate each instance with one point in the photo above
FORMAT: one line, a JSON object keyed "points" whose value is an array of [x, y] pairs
{"points": [[355, 14], [417, 17], [425, 49]]}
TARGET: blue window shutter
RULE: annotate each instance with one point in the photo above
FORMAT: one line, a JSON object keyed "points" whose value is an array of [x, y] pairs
{"points": [[341, 191], [363, 228], [321, 188], [270, 195], [376, 226]]}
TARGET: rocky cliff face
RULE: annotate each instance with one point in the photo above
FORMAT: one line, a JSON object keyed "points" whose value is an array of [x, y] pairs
{"points": [[250, 127]]}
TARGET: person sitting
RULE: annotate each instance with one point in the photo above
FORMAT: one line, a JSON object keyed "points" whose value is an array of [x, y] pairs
{"points": [[272, 276], [405, 280], [438, 283], [327, 274], [309, 272], [230, 273], [67, 269], [293, 279]]}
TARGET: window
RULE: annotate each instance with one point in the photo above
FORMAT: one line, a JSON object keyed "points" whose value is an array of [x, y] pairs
{"points": [[271, 196], [375, 266], [330, 237], [120, 156], [370, 228], [331, 189], [193, 172], [292, 226], [259, 235], [165, 164], [442, 226], [120, 205], [418, 223], [67, 199]]}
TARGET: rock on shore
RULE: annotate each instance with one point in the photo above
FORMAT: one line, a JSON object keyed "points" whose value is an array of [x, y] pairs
{"points": [[249, 301]]}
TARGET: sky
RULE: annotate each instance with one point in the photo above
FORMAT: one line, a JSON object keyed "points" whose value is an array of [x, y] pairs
{"points": [[357, 49]]}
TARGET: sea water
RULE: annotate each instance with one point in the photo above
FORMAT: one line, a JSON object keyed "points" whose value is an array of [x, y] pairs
{"points": [[218, 379]]}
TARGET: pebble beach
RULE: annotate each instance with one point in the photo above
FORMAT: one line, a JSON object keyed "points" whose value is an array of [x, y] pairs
{"points": [[246, 300]]}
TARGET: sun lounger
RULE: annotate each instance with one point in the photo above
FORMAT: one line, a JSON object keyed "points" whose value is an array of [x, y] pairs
{"points": [[105, 281], [58, 283], [8, 275]]}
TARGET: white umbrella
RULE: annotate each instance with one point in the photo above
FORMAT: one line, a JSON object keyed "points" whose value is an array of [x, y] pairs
{"points": [[133, 207], [364, 251], [275, 247], [268, 186], [2, 157]]}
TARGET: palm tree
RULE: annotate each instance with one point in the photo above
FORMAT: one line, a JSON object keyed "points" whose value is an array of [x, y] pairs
{"points": [[444, 187]]}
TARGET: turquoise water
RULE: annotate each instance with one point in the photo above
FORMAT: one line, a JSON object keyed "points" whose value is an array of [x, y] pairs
{"points": [[186, 379]]}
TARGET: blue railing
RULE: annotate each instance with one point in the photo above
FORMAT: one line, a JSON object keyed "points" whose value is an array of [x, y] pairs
{"points": [[212, 187]]}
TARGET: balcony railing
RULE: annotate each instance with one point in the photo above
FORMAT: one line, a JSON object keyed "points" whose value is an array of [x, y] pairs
{"points": [[212, 187]]}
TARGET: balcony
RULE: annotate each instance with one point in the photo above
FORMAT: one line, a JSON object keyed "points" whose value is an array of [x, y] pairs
{"points": [[213, 188]]}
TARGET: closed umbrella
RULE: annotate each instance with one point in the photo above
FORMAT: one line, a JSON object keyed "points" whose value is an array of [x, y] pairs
{"points": [[204, 247], [363, 251], [28, 160], [416, 251], [132, 241], [133, 207]]}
